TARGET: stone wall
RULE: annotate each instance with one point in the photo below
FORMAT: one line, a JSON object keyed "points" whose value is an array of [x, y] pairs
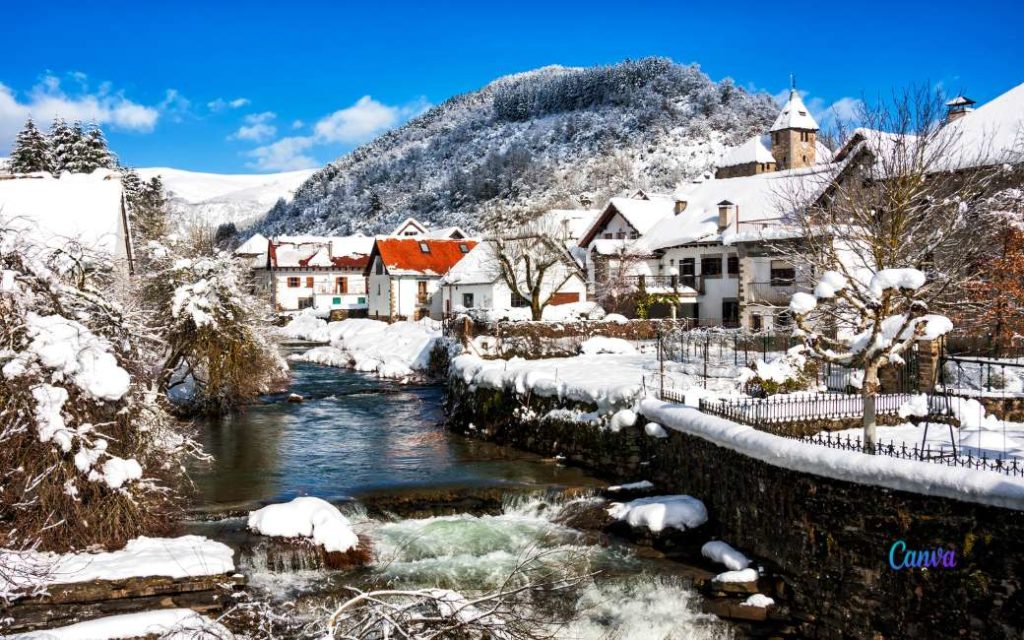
{"points": [[829, 538]]}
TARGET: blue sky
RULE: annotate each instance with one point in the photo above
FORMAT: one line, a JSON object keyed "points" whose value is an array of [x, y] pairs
{"points": [[261, 86]]}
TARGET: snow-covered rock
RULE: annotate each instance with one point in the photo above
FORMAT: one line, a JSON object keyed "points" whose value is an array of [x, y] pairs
{"points": [[758, 600], [167, 624], [181, 557], [306, 517], [742, 575], [658, 513], [723, 553]]}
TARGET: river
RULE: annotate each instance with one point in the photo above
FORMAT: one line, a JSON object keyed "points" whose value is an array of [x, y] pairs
{"points": [[361, 442]]}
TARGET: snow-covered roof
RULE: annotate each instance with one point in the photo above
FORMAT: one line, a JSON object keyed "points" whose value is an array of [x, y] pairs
{"points": [[959, 101], [254, 246], [795, 115], [758, 200], [575, 222], [991, 134], [82, 207], [319, 251], [479, 266], [407, 224], [449, 233], [752, 150]]}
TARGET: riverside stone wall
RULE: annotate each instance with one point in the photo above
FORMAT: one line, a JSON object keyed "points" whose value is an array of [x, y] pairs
{"points": [[830, 539]]}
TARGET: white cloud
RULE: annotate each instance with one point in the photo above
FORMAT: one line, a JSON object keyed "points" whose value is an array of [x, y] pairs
{"points": [[365, 119], [220, 104], [287, 154], [257, 128], [175, 105], [351, 125], [48, 99], [845, 110]]}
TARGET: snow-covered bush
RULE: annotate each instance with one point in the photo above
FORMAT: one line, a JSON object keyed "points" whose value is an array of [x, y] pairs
{"points": [[787, 373], [218, 349], [86, 447]]}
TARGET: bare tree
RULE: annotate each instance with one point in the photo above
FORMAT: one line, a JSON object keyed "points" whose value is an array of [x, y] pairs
{"points": [[532, 260], [512, 611], [893, 231], [615, 280]]}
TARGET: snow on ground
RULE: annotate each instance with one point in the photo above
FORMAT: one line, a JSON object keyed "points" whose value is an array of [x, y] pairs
{"points": [[610, 381], [180, 557], [986, 487], [215, 198], [601, 344], [723, 553], [306, 517], [168, 624], [570, 312], [661, 512], [400, 350]]}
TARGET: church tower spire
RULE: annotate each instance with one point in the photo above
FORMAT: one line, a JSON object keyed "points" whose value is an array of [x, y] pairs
{"points": [[795, 133]]}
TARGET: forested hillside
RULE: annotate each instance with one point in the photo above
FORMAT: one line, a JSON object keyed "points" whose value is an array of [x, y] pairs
{"points": [[554, 136]]}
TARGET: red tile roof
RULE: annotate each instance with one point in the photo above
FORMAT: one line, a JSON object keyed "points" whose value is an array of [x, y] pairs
{"points": [[405, 254]]}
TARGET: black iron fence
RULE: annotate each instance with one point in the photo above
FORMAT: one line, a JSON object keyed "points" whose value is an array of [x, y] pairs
{"points": [[1008, 466], [986, 346], [806, 407]]}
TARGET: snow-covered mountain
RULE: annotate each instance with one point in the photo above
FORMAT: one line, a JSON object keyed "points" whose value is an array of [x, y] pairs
{"points": [[215, 198], [553, 137]]}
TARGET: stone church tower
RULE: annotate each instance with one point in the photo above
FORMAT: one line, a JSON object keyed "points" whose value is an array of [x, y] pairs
{"points": [[794, 135]]}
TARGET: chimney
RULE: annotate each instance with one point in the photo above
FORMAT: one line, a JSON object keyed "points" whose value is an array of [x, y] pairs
{"points": [[958, 107], [726, 211], [680, 206]]}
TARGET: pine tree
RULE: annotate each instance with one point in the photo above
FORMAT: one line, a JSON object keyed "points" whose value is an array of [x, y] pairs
{"points": [[147, 206], [97, 154], [31, 152], [78, 160], [62, 139]]}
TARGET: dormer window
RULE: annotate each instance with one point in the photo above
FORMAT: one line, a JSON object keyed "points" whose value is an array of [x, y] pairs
{"points": [[424, 247], [463, 247]]}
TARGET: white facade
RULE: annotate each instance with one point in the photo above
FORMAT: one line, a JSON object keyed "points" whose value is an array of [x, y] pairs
{"points": [[321, 288], [402, 296]]}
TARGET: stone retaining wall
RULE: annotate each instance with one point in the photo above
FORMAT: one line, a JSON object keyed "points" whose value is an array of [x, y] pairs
{"points": [[830, 538]]}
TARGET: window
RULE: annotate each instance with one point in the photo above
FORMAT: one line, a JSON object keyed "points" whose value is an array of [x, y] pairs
{"points": [[711, 266], [756, 323], [783, 273], [463, 247], [733, 266], [378, 266], [294, 282], [424, 247], [335, 300], [519, 301], [305, 303], [687, 267], [340, 285], [730, 312], [467, 300], [309, 282]]}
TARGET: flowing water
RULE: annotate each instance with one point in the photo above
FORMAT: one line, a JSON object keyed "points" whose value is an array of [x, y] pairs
{"points": [[357, 440]]}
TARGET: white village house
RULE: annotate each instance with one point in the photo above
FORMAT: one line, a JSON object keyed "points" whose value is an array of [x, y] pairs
{"points": [[310, 272], [476, 282], [713, 245], [404, 275], [325, 273]]}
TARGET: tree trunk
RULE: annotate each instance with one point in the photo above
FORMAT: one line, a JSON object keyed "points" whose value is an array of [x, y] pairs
{"points": [[869, 392], [535, 306]]}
